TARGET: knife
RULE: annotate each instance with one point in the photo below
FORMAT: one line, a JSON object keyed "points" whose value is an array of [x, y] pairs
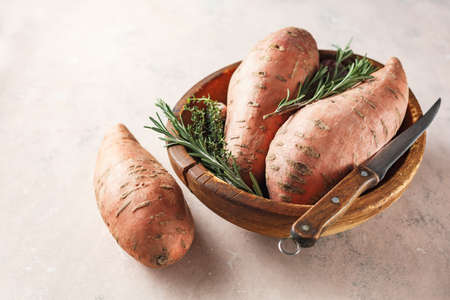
{"points": [[308, 228]]}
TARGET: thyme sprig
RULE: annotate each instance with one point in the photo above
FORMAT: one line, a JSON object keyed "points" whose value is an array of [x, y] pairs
{"points": [[209, 149], [326, 82], [206, 123]]}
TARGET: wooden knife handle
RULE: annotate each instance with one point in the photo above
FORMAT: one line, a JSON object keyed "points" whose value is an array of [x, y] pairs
{"points": [[308, 228]]}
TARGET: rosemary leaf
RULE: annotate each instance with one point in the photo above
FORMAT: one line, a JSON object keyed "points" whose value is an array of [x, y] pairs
{"points": [[256, 187]]}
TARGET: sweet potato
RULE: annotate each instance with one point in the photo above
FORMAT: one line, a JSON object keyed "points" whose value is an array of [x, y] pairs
{"points": [[276, 64], [140, 202], [319, 144]]}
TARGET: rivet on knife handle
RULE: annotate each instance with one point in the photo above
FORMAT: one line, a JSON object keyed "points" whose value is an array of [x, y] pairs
{"points": [[308, 228]]}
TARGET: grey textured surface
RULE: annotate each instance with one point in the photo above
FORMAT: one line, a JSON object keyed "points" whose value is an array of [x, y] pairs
{"points": [[71, 69]]}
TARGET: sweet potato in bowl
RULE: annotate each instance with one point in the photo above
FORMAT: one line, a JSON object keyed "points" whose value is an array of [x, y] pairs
{"points": [[275, 218]]}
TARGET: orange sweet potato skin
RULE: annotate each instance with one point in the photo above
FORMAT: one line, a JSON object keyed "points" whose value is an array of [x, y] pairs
{"points": [[277, 63], [140, 202], [319, 144]]}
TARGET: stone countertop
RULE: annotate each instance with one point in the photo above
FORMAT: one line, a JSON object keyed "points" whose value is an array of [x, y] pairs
{"points": [[71, 69]]}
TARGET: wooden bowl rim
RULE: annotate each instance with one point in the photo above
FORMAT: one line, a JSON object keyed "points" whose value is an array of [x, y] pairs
{"points": [[367, 205]]}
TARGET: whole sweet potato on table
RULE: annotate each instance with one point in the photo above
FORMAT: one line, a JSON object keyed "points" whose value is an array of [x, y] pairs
{"points": [[320, 143], [140, 202], [277, 63]]}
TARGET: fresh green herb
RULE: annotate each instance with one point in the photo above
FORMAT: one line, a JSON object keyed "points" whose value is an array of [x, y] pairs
{"points": [[256, 188], [203, 139], [206, 123], [325, 82]]}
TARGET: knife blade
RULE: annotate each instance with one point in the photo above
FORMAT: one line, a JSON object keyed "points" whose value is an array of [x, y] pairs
{"points": [[392, 151], [308, 227]]}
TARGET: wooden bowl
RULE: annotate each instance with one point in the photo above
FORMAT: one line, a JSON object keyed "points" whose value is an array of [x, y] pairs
{"points": [[272, 218]]}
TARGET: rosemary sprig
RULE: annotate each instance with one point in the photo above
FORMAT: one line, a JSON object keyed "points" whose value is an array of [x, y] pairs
{"points": [[325, 82], [201, 145]]}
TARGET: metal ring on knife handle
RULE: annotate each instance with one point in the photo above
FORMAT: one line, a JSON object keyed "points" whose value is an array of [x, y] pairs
{"points": [[283, 250]]}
